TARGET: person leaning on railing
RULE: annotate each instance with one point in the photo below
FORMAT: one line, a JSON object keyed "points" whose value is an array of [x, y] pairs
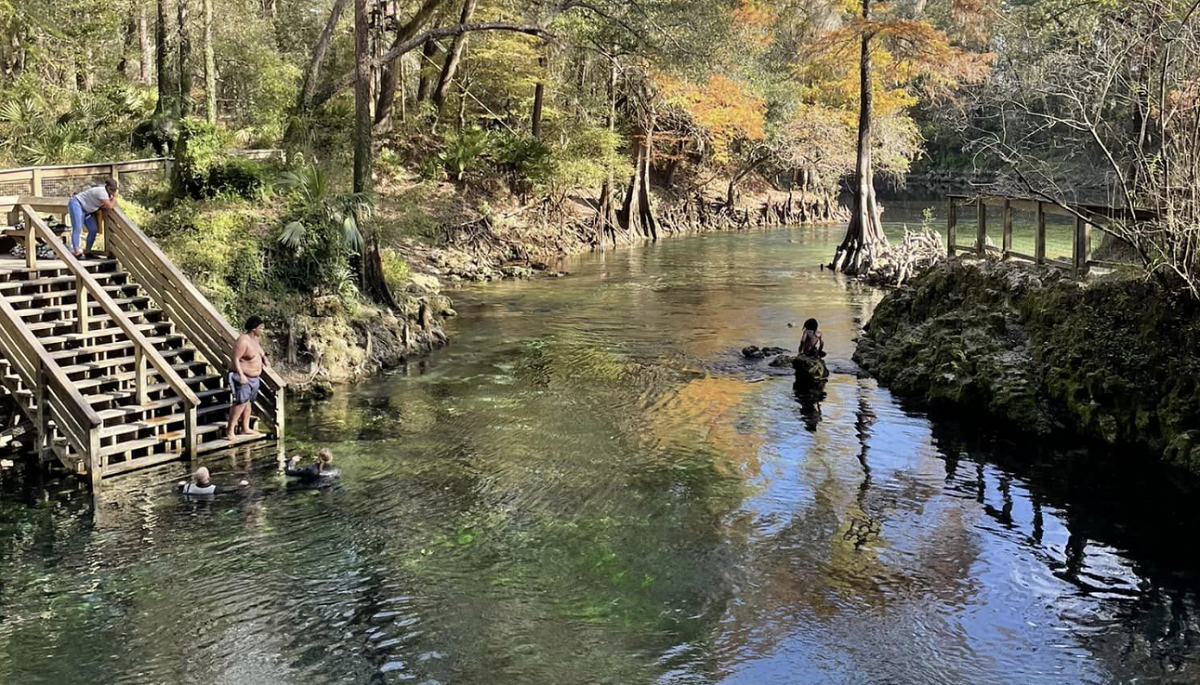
{"points": [[83, 207]]}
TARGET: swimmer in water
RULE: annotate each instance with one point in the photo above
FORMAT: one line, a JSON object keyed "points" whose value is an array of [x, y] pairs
{"points": [[202, 484], [321, 469]]}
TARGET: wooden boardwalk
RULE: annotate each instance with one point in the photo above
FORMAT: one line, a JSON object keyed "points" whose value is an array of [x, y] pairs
{"points": [[118, 362]]}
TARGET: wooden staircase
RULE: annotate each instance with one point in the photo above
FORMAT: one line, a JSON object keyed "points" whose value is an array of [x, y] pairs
{"points": [[118, 362]]}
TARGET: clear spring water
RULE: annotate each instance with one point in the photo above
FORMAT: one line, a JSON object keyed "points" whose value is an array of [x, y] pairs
{"points": [[591, 486]]}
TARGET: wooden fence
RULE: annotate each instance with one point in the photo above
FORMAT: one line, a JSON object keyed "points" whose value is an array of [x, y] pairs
{"points": [[68, 179], [1084, 219]]}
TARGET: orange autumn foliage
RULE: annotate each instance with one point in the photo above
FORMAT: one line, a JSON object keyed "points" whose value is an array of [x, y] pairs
{"points": [[722, 108]]}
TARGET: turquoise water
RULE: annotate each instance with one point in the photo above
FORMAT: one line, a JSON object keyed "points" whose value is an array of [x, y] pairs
{"points": [[590, 485]]}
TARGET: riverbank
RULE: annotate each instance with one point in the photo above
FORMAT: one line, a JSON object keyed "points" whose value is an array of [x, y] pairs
{"points": [[433, 237], [1112, 360]]}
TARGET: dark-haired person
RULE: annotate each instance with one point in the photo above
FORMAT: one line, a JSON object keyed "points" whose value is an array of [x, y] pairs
{"points": [[812, 343], [83, 207], [246, 366]]}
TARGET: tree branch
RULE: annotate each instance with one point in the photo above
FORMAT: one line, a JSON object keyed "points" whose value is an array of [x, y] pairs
{"points": [[418, 40]]}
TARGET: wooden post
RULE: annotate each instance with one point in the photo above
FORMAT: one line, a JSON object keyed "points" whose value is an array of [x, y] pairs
{"points": [[1083, 246], [1006, 240], [81, 298], [42, 411], [279, 413], [1039, 240], [140, 376], [981, 229], [35, 182], [100, 226], [951, 225], [30, 243], [93, 460], [192, 436], [115, 172]]}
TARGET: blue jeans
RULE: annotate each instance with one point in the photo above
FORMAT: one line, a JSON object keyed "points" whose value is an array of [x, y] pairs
{"points": [[78, 221]]}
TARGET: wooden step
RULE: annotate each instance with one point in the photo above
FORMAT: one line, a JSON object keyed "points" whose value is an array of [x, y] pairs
{"points": [[93, 306], [102, 319], [119, 395], [57, 280], [84, 383], [156, 341], [48, 340], [129, 446], [130, 361], [93, 266], [107, 415], [157, 422], [221, 443], [113, 290], [140, 463]]}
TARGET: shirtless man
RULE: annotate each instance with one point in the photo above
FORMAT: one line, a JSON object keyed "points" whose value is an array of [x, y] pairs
{"points": [[246, 366]]}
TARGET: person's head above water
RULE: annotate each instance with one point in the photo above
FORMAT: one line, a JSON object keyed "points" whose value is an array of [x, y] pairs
{"points": [[810, 325], [201, 477], [325, 455]]}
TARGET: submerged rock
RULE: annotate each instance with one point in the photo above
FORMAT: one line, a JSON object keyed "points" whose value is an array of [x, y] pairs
{"points": [[756, 352], [811, 372]]}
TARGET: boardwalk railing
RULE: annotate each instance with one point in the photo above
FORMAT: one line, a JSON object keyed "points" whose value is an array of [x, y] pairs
{"points": [[68, 179], [1080, 260], [187, 307]]}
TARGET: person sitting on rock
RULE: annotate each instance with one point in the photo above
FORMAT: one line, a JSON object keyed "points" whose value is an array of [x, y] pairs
{"points": [[202, 485], [320, 470], [812, 343]]}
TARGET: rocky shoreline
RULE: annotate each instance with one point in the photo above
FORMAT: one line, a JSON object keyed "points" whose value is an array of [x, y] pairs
{"points": [[1113, 360]]}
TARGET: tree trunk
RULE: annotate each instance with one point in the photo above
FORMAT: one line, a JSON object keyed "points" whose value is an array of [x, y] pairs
{"points": [[864, 234], [162, 40], [606, 211], [362, 97], [144, 43], [313, 73], [424, 83], [539, 96], [452, 59], [129, 35], [639, 208], [185, 56], [210, 67], [388, 78]]}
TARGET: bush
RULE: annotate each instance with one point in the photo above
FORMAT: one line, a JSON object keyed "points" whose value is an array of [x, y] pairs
{"points": [[464, 151], [199, 149], [236, 177], [396, 272], [219, 249], [527, 161]]}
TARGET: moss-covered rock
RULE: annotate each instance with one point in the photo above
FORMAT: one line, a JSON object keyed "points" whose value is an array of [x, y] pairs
{"points": [[1115, 360]]}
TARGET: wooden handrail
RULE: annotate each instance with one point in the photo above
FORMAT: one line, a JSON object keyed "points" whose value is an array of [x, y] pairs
{"points": [[88, 282], [13, 322], [81, 424], [186, 305]]}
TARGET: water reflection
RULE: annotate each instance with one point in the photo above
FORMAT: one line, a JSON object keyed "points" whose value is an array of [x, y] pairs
{"points": [[588, 488]]}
